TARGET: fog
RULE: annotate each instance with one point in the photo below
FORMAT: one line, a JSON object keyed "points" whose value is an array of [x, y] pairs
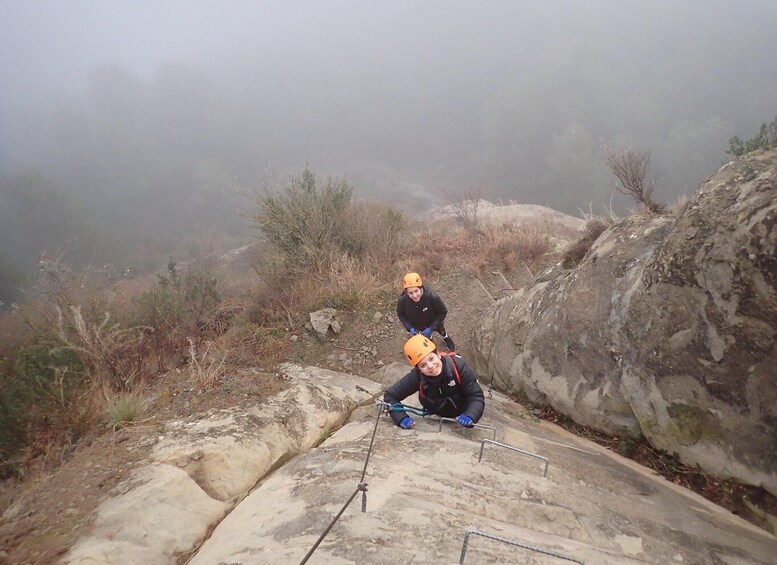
{"points": [[145, 117]]}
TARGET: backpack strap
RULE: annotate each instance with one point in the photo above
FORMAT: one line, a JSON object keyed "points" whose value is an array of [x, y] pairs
{"points": [[455, 368]]}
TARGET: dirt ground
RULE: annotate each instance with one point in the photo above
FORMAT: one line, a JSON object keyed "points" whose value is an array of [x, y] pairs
{"points": [[43, 515]]}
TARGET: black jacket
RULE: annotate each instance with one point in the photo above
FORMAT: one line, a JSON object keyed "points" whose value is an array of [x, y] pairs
{"points": [[442, 395], [429, 312]]}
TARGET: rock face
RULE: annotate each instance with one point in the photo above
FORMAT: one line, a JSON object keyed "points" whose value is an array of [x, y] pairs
{"points": [[427, 486], [259, 484], [200, 467], [665, 330]]}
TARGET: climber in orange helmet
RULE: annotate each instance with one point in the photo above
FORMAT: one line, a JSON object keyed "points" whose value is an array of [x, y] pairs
{"points": [[421, 310], [445, 384]]}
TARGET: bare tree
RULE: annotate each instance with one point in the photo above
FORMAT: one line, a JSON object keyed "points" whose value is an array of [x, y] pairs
{"points": [[630, 167], [465, 206]]}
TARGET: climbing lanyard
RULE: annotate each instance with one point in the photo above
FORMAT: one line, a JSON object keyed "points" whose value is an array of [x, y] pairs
{"points": [[399, 407]]}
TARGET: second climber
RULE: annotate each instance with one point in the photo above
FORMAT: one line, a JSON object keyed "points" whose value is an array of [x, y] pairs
{"points": [[421, 310]]}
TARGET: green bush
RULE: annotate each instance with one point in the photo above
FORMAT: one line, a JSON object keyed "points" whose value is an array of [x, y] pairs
{"points": [[38, 390], [125, 408], [303, 219], [180, 300], [765, 137], [309, 222]]}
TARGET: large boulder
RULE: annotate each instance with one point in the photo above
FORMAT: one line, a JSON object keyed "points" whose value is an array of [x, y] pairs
{"points": [[666, 329]]}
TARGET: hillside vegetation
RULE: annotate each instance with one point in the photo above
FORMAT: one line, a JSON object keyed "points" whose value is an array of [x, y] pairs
{"points": [[92, 353], [85, 350]]}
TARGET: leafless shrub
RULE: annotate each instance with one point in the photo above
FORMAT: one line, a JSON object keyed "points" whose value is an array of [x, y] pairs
{"points": [[206, 369], [465, 206], [630, 167], [104, 348]]}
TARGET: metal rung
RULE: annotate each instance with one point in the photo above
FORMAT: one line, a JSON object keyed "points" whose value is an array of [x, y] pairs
{"points": [[484, 426], [529, 453], [524, 545]]}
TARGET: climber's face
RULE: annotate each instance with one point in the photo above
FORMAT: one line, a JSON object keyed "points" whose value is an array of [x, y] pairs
{"points": [[430, 365], [415, 293]]}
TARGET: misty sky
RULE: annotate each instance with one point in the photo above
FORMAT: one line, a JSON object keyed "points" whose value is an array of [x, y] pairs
{"points": [[106, 98]]}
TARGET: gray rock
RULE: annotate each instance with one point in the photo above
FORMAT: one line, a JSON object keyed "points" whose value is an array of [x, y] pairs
{"points": [[666, 329], [322, 320]]}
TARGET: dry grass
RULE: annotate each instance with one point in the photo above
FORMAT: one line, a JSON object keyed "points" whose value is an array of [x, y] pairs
{"points": [[678, 207], [104, 347], [510, 245], [608, 218], [208, 366], [124, 408], [347, 283]]}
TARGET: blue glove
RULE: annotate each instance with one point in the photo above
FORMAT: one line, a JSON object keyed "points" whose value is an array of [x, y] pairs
{"points": [[427, 333], [413, 331], [465, 421], [407, 423]]}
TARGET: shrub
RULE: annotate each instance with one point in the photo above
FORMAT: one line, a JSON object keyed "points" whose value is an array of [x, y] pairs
{"points": [[74, 310], [323, 249], [303, 219], [631, 168], [511, 244], [179, 304], [308, 221], [125, 408], [373, 233], [575, 252], [765, 137], [40, 390]]}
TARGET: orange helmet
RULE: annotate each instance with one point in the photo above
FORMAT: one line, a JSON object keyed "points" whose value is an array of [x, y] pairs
{"points": [[418, 347], [412, 279]]}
